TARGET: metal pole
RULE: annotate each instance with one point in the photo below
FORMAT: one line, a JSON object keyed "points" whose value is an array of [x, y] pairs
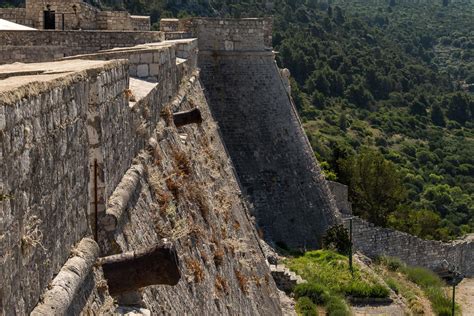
{"points": [[454, 298], [350, 247], [96, 203]]}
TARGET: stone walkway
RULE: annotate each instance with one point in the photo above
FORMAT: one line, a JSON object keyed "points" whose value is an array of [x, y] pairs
{"points": [[465, 296]]}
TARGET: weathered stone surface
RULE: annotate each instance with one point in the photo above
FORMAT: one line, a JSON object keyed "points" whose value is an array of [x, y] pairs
{"points": [[223, 269], [273, 158], [341, 196]]}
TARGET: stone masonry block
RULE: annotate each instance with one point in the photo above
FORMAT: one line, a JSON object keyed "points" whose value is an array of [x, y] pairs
{"points": [[142, 71], [154, 69]]}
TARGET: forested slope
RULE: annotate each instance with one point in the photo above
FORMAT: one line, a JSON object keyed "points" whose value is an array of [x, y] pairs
{"points": [[385, 92]]}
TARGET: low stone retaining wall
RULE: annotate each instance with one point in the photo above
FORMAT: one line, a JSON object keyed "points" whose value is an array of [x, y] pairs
{"points": [[374, 241]]}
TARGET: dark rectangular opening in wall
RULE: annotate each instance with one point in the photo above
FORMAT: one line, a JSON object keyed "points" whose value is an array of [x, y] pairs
{"points": [[49, 20]]}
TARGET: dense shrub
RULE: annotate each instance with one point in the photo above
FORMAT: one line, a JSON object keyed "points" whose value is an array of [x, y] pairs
{"points": [[337, 238], [305, 307], [392, 263], [316, 292], [364, 290]]}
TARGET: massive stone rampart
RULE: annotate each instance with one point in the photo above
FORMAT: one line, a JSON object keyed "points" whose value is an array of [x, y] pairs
{"points": [[61, 126], [261, 129], [70, 131], [188, 193]]}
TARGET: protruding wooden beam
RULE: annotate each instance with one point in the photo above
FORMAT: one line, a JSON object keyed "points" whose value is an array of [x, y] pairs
{"points": [[131, 271], [187, 117]]}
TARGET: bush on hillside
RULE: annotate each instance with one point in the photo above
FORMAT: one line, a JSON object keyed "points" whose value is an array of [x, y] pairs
{"points": [[305, 307]]}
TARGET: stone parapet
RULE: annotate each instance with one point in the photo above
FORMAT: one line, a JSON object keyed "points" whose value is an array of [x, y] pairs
{"points": [[39, 46], [217, 34], [16, 15]]}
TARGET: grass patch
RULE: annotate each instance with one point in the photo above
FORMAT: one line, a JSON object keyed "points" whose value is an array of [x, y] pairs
{"points": [[330, 269], [329, 281], [393, 285], [430, 283]]}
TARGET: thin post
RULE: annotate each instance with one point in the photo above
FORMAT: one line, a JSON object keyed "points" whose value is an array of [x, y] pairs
{"points": [[454, 299], [350, 247], [63, 20], [96, 203]]}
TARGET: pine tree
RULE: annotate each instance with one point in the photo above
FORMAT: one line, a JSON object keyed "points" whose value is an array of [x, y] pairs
{"points": [[437, 115]]}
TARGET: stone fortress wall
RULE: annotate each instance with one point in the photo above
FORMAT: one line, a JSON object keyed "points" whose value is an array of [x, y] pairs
{"points": [[70, 132], [45, 145], [74, 15], [51, 135], [261, 129], [40, 46]]}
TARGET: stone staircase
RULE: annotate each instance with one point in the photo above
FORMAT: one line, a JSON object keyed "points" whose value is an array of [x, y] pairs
{"points": [[285, 279]]}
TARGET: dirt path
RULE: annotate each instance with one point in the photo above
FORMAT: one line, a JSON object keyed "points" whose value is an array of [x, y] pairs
{"points": [[465, 296], [392, 310]]}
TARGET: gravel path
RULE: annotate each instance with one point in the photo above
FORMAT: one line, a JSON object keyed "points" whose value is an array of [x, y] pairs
{"points": [[465, 296]]}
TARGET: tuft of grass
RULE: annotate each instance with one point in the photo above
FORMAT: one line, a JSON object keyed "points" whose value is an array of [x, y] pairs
{"points": [[182, 162], [221, 285], [243, 281], [336, 306], [392, 263], [359, 288], [218, 257], [423, 277], [173, 185], [167, 114], [305, 307], [196, 269], [393, 285], [320, 295], [198, 196], [429, 283]]}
